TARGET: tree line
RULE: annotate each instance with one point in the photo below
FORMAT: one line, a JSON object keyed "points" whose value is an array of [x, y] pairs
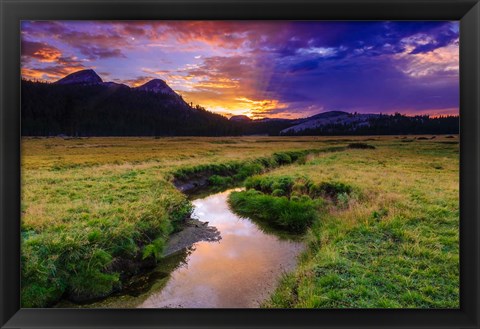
{"points": [[117, 110], [395, 124]]}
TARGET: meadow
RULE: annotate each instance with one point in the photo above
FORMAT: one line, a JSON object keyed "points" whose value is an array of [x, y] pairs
{"points": [[98, 210]]}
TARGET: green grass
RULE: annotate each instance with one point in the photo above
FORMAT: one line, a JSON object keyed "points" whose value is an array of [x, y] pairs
{"points": [[286, 202], [73, 257], [91, 205], [226, 174], [385, 236], [393, 243], [293, 215]]}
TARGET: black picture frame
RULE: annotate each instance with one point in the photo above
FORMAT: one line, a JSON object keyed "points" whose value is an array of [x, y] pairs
{"points": [[13, 11]]}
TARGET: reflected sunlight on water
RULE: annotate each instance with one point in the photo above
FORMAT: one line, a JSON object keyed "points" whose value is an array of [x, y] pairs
{"points": [[241, 270]]}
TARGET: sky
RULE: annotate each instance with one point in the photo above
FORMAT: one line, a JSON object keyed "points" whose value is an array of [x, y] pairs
{"points": [[278, 69]]}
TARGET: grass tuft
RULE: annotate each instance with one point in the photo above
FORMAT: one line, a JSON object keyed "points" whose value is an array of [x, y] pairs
{"points": [[277, 210]]}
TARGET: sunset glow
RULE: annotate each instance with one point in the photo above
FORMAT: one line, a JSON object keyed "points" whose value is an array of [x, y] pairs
{"points": [[262, 69]]}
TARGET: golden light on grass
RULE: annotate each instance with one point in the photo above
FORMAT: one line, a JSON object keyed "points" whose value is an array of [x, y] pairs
{"points": [[402, 218]]}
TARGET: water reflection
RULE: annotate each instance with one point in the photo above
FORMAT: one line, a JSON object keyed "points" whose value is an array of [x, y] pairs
{"points": [[241, 270]]}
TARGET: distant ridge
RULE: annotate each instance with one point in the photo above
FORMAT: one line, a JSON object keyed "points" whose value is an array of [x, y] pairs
{"points": [[240, 118], [157, 86], [90, 77], [115, 85], [329, 114], [84, 77], [332, 118], [82, 104]]}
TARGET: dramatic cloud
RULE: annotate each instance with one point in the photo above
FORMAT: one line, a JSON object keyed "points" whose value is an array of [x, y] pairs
{"points": [[40, 51], [278, 69]]}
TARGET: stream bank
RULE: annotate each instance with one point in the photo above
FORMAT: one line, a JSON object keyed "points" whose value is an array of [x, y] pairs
{"points": [[195, 181], [239, 270]]}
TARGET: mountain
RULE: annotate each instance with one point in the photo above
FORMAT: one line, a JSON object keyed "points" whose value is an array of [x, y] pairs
{"points": [[344, 123], [278, 120], [240, 118], [329, 119], [157, 86], [115, 85], [84, 77], [82, 104]]}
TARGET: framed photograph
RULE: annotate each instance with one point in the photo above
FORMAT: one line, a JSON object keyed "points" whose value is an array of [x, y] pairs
{"points": [[240, 164]]}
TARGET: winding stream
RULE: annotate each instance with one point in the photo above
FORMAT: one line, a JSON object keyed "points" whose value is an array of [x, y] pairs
{"points": [[239, 271]]}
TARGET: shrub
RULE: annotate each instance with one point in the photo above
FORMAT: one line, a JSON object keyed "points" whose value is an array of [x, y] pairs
{"points": [[292, 215]]}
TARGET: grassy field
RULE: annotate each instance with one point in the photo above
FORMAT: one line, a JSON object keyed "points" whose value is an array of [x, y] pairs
{"points": [[89, 205]]}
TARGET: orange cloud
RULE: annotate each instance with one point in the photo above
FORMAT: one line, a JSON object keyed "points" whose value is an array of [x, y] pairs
{"points": [[138, 81], [227, 85], [48, 55], [40, 51], [48, 74], [32, 74], [156, 72], [218, 34]]}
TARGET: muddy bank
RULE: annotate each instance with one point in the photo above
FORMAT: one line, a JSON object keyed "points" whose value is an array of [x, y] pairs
{"points": [[239, 271], [193, 231], [192, 185]]}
